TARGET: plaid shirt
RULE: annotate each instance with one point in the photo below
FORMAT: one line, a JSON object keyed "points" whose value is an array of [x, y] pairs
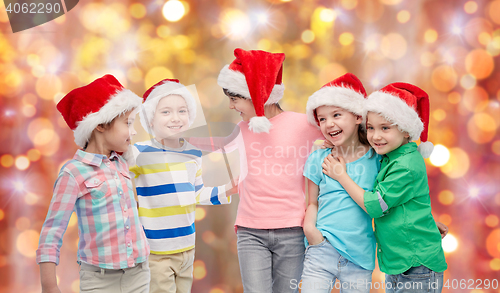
{"points": [[99, 190]]}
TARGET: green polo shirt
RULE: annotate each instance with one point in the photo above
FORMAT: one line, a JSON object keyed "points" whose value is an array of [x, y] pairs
{"points": [[406, 233]]}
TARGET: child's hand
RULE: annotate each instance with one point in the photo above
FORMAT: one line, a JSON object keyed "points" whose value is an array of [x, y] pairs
{"points": [[334, 167], [313, 235], [443, 229], [327, 144]]}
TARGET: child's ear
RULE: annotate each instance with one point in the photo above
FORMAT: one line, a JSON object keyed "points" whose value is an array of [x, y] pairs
{"points": [[359, 119], [100, 128]]}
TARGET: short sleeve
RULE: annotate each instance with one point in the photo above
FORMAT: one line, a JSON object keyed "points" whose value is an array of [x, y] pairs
{"points": [[312, 169]]}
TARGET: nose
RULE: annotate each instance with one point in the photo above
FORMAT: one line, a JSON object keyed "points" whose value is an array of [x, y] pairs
{"points": [[132, 131], [231, 105], [175, 117], [376, 135]]}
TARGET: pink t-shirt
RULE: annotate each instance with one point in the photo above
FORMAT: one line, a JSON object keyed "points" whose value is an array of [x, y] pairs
{"points": [[272, 187]]}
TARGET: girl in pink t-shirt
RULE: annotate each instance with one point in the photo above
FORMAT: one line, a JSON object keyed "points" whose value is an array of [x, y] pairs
{"points": [[274, 146]]}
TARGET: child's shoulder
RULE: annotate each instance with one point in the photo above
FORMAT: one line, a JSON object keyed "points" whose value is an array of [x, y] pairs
{"points": [[75, 169], [295, 117], [319, 154], [411, 162], [140, 144], [191, 150]]}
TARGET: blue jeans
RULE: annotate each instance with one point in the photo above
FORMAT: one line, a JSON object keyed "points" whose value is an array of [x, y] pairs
{"points": [[323, 265], [415, 280], [270, 259]]}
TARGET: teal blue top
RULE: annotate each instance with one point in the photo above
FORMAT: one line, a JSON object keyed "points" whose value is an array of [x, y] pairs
{"points": [[340, 219]]}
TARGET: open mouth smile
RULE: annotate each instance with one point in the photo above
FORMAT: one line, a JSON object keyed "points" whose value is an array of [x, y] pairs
{"points": [[335, 133]]}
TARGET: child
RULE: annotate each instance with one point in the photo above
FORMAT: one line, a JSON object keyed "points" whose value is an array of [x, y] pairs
{"points": [[339, 232], [169, 185], [409, 242], [273, 147], [113, 249]]}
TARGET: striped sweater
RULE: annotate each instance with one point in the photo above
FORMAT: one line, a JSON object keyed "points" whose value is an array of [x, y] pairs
{"points": [[169, 185]]}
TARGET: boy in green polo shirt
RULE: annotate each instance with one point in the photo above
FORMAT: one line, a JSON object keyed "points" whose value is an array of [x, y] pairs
{"points": [[409, 242]]}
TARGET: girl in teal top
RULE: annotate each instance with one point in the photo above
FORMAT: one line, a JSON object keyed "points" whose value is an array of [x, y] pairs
{"points": [[339, 234]]}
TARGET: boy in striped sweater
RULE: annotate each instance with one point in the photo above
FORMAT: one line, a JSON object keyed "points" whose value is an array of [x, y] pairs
{"points": [[169, 185]]}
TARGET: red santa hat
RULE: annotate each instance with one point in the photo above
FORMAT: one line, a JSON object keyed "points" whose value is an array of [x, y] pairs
{"points": [[407, 106], [160, 90], [346, 92], [256, 75], [99, 102]]}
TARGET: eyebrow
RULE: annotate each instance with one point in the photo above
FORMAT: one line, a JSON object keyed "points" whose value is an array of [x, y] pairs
{"points": [[170, 108]]}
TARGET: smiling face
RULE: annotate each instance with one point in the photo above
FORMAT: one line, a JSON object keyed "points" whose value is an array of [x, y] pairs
{"points": [[338, 126], [118, 134], [383, 135], [171, 118], [243, 106]]}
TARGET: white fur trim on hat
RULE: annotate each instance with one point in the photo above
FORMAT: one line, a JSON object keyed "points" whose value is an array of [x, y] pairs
{"points": [[259, 124], [342, 97], [123, 101], [166, 89], [236, 82], [395, 110], [425, 149]]}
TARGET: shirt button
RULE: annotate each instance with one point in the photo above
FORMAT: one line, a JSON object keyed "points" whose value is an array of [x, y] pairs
{"points": [[121, 192], [129, 244], [127, 227], [380, 250]]}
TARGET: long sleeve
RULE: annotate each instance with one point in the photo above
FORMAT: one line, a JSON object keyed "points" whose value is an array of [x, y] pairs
{"points": [[215, 144], [209, 195], [66, 192], [395, 189]]}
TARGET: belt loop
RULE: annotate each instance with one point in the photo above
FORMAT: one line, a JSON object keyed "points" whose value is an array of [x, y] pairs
{"points": [[102, 271]]}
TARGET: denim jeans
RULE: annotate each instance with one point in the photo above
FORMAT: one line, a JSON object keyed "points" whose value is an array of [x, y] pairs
{"points": [[415, 280], [323, 265], [270, 259]]}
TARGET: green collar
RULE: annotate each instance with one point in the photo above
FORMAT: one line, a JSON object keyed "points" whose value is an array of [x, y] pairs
{"points": [[402, 150]]}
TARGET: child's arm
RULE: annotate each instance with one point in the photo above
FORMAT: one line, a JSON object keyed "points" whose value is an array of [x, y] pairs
{"points": [[211, 144], [336, 169], [66, 192], [396, 189], [213, 195], [443, 229], [48, 277], [312, 233]]}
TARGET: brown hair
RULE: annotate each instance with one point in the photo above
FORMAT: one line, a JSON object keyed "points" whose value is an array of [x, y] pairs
{"points": [[234, 95]]}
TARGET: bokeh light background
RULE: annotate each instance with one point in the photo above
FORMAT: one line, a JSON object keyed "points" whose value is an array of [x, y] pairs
{"points": [[450, 48]]}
